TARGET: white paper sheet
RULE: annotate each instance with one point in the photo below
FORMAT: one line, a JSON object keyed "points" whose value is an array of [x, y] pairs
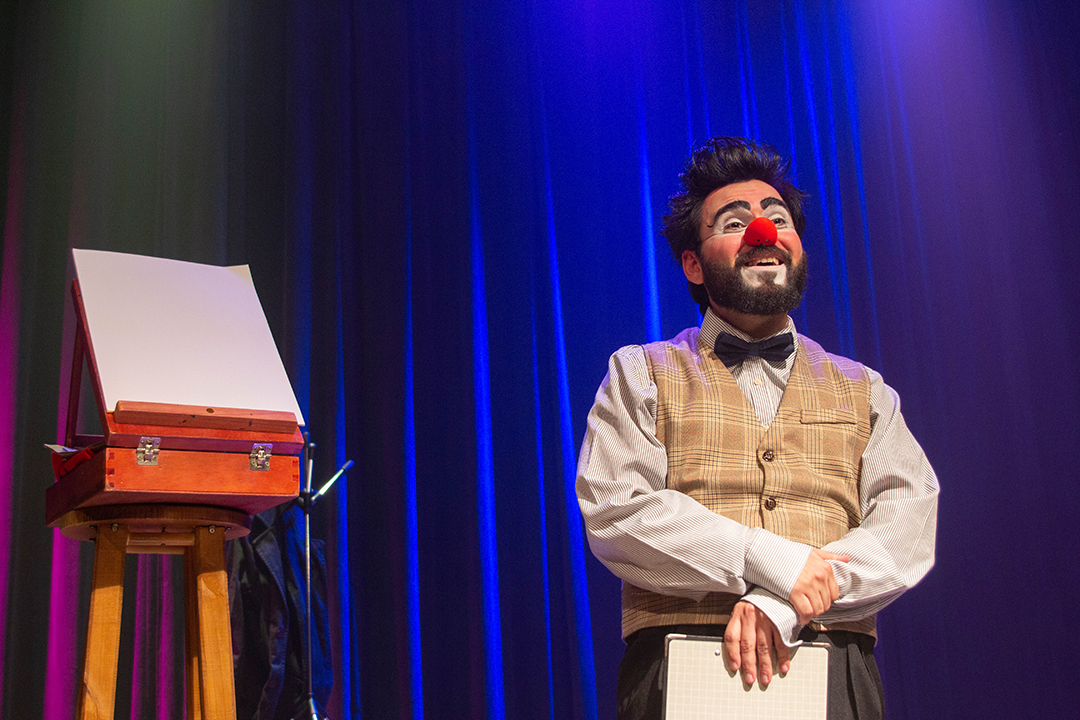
{"points": [[177, 332], [698, 685]]}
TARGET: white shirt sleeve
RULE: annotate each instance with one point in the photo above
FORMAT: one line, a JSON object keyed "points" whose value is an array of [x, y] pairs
{"points": [[893, 547]]}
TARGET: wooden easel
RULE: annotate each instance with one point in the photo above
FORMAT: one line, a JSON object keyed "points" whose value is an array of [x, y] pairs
{"points": [[171, 479]]}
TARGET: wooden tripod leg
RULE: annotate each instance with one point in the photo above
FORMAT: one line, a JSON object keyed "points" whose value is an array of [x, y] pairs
{"points": [[215, 636], [191, 637], [98, 693]]}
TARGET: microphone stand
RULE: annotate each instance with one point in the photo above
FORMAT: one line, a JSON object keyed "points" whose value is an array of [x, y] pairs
{"points": [[305, 501]]}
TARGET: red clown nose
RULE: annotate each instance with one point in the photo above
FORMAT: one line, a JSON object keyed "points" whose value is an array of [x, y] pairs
{"points": [[761, 231]]}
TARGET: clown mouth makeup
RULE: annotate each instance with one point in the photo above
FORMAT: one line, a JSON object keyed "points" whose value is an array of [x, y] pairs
{"points": [[764, 266], [769, 271], [764, 256]]}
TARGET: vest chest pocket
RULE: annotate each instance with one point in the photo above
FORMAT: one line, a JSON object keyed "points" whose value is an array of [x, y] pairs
{"points": [[829, 441], [828, 416]]}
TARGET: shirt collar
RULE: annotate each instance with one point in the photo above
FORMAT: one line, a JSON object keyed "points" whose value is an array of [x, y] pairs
{"points": [[712, 326]]}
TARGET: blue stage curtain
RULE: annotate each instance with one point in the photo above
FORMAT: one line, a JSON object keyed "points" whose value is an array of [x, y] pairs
{"points": [[450, 210]]}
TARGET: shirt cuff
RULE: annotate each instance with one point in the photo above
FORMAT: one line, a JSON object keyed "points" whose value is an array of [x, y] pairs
{"points": [[774, 563], [779, 611]]}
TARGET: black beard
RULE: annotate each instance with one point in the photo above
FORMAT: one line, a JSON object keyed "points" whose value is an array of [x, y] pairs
{"points": [[727, 290]]}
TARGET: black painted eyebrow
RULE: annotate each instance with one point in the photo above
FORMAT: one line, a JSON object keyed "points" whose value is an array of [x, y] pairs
{"points": [[741, 204], [770, 201]]}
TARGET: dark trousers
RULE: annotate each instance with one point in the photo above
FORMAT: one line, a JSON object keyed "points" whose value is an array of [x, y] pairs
{"points": [[855, 690]]}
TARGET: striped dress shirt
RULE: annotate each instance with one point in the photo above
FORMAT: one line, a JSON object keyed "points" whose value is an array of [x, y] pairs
{"points": [[664, 541]]}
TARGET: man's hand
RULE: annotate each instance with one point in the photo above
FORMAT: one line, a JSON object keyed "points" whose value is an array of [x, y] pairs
{"points": [[749, 641], [815, 590]]}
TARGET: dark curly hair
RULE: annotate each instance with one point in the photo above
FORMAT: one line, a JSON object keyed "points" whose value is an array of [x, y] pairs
{"points": [[722, 161]]}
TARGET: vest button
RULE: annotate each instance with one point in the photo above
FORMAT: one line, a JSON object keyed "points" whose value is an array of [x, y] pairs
{"points": [[768, 456], [770, 503]]}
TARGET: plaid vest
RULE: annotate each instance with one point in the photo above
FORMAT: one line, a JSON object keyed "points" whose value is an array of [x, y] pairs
{"points": [[797, 478]]}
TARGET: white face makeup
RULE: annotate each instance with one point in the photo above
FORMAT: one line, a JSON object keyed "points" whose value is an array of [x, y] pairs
{"points": [[732, 220], [749, 280], [735, 216], [756, 276]]}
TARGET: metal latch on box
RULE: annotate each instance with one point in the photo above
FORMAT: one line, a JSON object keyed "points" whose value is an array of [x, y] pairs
{"points": [[147, 451], [260, 456]]}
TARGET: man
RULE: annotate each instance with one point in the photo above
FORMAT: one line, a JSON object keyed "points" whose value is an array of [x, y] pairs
{"points": [[742, 482]]}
